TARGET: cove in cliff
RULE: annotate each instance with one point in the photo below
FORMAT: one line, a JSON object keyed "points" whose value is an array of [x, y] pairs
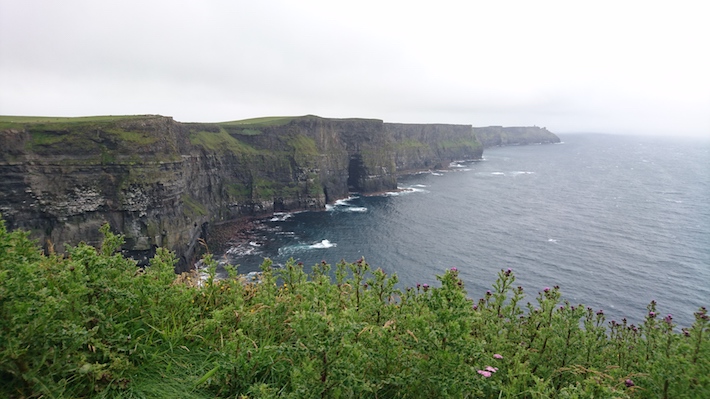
{"points": [[163, 183]]}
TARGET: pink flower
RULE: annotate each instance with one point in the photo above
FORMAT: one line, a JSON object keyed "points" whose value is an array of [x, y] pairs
{"points": [[491, 369], [484, 373], [497, 356]]}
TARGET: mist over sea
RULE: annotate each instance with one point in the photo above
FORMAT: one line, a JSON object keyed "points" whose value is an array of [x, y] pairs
{"points": [[615, 221]]}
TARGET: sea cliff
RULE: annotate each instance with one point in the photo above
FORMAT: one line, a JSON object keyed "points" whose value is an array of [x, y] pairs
{"points": [[493, 136], [162, 183]]}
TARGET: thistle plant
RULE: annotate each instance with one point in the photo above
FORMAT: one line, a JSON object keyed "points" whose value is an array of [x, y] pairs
{"points": [[91, 323]]}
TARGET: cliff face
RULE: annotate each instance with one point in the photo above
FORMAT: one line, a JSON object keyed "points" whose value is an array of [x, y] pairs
{"points": [[432, 146], [161, 182], [492, 136]]}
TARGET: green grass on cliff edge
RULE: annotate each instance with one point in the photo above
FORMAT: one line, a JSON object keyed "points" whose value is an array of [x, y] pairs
{"points": [[78, 133], [90, 324], [18, 122], [262, 121]]}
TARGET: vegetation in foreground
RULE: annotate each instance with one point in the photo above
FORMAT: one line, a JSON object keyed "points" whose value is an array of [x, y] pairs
{"points": [[92, 324]]}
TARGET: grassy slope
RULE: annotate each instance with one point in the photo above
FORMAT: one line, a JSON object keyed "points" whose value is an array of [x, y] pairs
{"points": [[92, 325]]}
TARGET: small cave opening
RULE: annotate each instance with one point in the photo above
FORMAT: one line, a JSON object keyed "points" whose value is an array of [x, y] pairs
{"points": [[356, 173]]}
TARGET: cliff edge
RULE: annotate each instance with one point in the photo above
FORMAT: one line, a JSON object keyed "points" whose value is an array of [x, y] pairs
{"points": [[493, 136], [161, 183]]}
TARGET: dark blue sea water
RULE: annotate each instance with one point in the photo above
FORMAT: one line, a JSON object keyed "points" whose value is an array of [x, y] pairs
{"points": [[615, 221]]}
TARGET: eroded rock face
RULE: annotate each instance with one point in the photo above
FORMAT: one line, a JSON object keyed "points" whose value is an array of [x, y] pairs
{"points": [[492, 136], [162, 183], [432, 146]]}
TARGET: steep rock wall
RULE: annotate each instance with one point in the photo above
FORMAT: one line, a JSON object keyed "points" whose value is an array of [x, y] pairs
{"points": [[431, 146], [162, 183], [492, 136]]}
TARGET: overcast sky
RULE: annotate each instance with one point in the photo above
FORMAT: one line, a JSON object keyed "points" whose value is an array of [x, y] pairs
{"points": [[594, 66]]}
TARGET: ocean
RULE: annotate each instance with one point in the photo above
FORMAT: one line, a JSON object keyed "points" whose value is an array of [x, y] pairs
{"points": [[615, 221]]}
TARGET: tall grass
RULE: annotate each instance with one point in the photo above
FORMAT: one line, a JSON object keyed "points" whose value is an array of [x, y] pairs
{"points": [[92, 324]]}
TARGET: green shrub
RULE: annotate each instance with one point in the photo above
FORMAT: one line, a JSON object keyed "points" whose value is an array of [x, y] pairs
{"points": [[92, 324]]}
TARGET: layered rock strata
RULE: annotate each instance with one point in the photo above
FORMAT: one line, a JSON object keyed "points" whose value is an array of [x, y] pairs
{"points": [[163, 183]]}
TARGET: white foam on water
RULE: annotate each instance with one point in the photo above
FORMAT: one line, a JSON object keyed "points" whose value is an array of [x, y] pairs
{"points": [[344, 205], [243, 250], [323, 245], [281, 216], [416, 189], [498, 173], [344, 201], [551, 240], [355, 209]]}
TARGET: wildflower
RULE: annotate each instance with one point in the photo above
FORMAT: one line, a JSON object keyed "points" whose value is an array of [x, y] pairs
{"points": [[668, 319], [453, 269], [547, 289], [484, 373], [629, 383], [652, 314], [491, 369], [497, 356], [488, 293], [425, 287], [507, 272], [419, 286], [600, 312]]}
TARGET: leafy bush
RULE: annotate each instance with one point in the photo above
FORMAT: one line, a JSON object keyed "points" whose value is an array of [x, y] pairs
{"points": [[92, 324]]}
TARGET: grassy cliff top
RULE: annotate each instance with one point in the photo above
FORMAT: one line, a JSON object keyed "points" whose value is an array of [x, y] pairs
{"points": [[15, 122], [262, 121], [99, 137], [282, 120]]}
